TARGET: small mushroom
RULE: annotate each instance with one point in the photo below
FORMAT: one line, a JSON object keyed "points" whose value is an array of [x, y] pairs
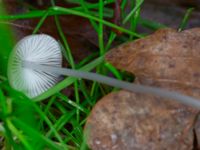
{"points": [[40, 49], [35, 66]]}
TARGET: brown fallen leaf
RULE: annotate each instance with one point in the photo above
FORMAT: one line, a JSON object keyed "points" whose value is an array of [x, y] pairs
{"points": [[127, 121], [166, 56], [167, 59]]}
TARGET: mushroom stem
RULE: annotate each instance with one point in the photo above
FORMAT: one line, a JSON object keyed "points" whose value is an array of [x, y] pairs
{"points": [[116, 83]]}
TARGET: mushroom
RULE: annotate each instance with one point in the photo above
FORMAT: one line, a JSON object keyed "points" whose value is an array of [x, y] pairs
{"points": [[35, 66], [39, 49]]}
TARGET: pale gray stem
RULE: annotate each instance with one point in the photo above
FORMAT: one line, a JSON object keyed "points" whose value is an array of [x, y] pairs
{"points": [[117, 83]]}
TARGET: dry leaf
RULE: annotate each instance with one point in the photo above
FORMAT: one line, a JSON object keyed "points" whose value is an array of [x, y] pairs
{"points": [[167, 59], [166, 56], [128, 121]]}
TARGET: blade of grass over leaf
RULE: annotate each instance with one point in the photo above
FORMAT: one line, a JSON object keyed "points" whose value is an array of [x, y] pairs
{"points": [[113, 70], [185, 19], [151, 24], [136, 8]]}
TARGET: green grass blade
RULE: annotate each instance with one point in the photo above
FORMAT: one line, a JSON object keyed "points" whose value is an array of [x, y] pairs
{"points": [[185, 19], [138, 5], [6, 42]]}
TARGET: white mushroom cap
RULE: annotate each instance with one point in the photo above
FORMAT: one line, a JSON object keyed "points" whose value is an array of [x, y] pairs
{"points": [[41, 49]]}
